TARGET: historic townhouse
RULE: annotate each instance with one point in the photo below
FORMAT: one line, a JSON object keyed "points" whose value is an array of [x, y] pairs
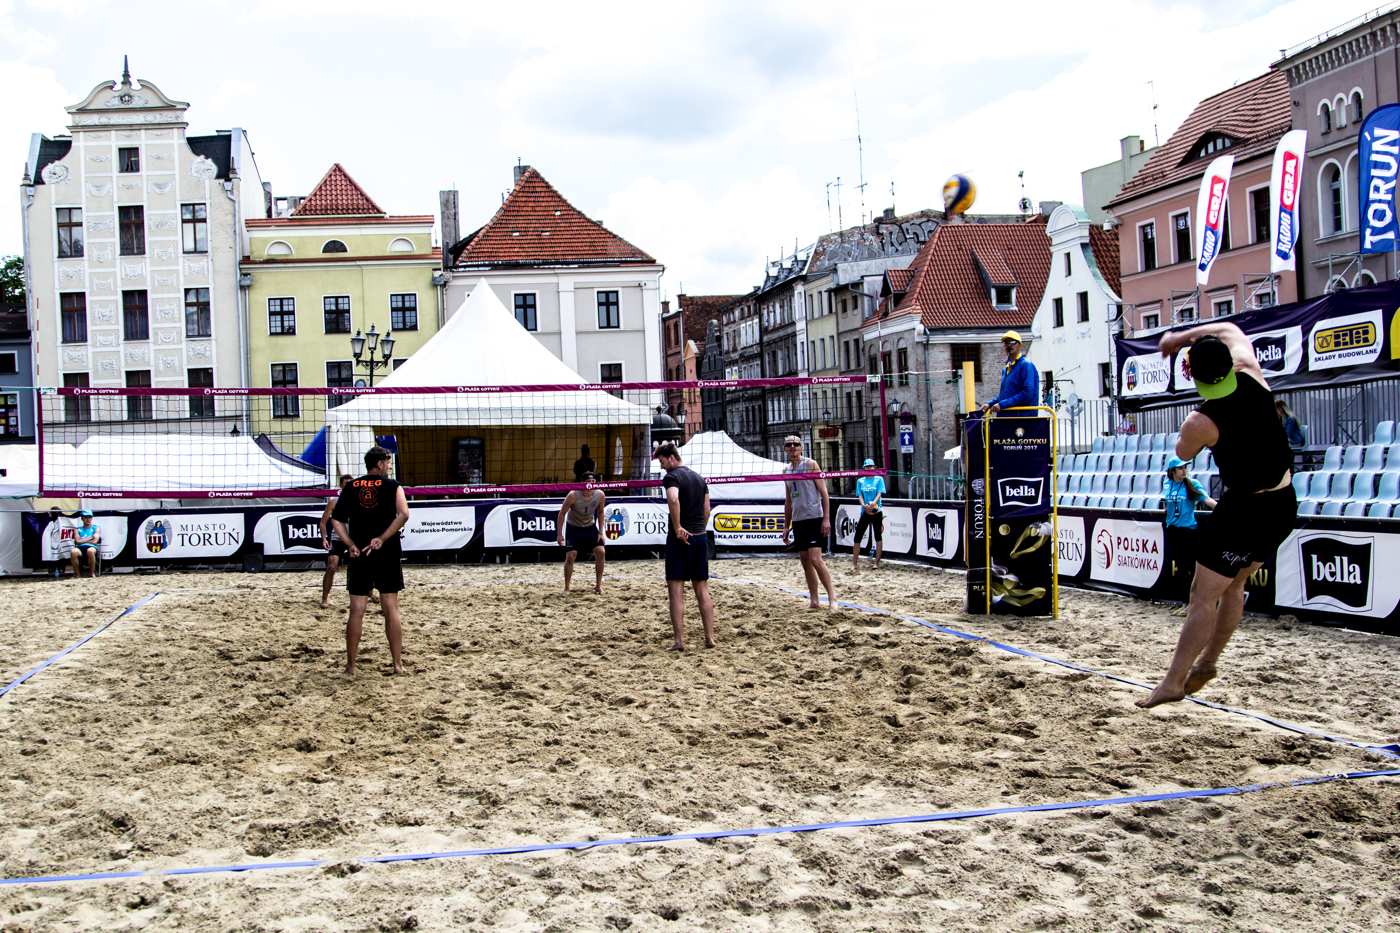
{"points": [[743, 359], [687, 325], [133, 231], [783, 337]]}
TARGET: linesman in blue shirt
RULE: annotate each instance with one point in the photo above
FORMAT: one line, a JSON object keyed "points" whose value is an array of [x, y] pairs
{"points": [[871, 490], [1020, 383]]}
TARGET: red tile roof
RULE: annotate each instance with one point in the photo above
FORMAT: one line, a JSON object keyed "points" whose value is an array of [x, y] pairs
{"points": [[994, 267], [337, 194], [899, 279], [1104, 245], [699, 311], [1253, 115], [537, 226], [947, 288]]}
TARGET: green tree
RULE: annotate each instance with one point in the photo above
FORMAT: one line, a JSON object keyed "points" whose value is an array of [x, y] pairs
{"points": [[12, 280]]}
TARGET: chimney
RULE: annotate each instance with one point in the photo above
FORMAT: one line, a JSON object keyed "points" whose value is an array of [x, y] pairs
{"points": [[520, 170], [1048, 207], [451, 232], [1130, 146], [665, 307], [889, 215], [267, 198]]}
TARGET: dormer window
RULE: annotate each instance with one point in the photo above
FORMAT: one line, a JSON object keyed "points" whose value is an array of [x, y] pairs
{"points": [[1004, 297], [1212, 144], [334, 246]]}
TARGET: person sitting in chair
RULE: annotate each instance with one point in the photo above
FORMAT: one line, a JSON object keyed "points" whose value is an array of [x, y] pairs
{"points": [[86, 538]]}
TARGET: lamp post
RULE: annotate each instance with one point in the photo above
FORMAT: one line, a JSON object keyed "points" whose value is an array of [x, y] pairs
{"points": [[385, 345]]}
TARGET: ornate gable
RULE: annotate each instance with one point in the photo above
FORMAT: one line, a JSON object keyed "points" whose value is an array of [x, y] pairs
{"points": [[124, 104]]}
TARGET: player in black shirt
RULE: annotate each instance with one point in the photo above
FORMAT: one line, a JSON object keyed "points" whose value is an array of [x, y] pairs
{"points": [[687, 545], [368, 514]]}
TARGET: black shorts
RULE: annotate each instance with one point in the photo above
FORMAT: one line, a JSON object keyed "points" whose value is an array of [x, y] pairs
{"points": [[807, 534], [1246, 527], [688, 560], [338, 549], [867, 520], [374, 570], [84, 548], [583, 540]]}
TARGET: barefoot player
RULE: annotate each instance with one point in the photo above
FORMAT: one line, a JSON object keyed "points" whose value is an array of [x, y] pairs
{"points": [[335, 548], [580, 529], [807, 518], [687, 545], [368, 514], [1255, 513]]}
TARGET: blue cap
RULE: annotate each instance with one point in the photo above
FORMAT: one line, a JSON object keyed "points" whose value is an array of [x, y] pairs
{"points": [[868, 462], [87, 512], [1175, 462]]}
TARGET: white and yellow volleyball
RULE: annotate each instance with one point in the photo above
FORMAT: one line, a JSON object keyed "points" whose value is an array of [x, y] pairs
{"points": [[958, 194]]}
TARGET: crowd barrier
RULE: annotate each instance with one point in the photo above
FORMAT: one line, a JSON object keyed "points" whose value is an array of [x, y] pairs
{"points": [[1327, 571]]}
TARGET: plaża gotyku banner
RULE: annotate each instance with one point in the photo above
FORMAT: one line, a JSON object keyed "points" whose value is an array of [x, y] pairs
{"points": [[975, 519], [1285, 181], [1210, 215], [1020, 497], [1380, 152]]}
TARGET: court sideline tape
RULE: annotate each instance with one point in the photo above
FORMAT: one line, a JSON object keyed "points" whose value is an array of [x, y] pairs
{"points": [[716, 834], [127, 611], [1389, 751]]}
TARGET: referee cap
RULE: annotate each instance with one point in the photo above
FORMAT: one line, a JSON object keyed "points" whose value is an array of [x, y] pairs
{"points": [[1011, 335], [868, 462]]}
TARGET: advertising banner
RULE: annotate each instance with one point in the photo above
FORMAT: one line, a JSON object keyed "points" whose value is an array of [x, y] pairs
{"points": [[741, 525], [178, 535], [282, 533], [449, 528], [974, 450], [522, 526], [1285, 182], [937, 533], [1339, 572], [635, 523], [1376, 170], [57, 539], [1128, 552], [1210, 215], [1071, 545], [1018, 453], [1351, 335]]}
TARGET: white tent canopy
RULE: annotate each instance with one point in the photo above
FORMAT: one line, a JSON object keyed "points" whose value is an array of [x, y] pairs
{"points": [[20, 463], [171, 463], [714, 453]]}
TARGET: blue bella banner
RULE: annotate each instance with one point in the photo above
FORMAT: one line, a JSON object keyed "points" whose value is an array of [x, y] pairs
{"points": [[1380, 158]]}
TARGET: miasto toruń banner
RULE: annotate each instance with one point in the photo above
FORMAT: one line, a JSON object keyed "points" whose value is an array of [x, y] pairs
{"points": [[1020, 495], [1347, 336], [974, 463]]}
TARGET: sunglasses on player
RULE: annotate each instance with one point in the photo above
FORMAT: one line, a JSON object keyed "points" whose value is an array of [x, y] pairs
{"points": [[792, 445]]}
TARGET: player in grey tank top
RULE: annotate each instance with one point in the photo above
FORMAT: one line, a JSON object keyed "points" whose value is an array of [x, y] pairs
{"points": [[807, 514], [580, 529]]}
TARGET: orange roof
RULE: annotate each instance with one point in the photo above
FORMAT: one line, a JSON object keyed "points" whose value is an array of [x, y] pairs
{"points": [[947, 288], [337, 194], [1253, 115], [899, 280], [1104, 245], [537, 226]]}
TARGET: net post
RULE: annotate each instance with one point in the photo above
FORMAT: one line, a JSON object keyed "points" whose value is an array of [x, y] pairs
{"points": [[884, 425], [39, 433]]}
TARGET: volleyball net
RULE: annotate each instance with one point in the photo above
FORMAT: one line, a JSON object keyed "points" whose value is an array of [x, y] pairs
{"points": [[448, 440]]}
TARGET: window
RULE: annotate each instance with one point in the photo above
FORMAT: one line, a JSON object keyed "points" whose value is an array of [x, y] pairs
{"points": [[846, 354], [138, 407], [284, 376], [610, 372], [1068, 268], [340, 374], [1358, 110], [133, 230], [887, 361], [1083, 307], [135, 320], [525, 311], [336, 309], [403, 312], [201, 406], [1212, 145], [399, 361], [76, 408], [1151, 321], [282, 316], [1181, 230], [1004, 296], [1225, 242], [1225, 308], [609, 315], [1325, 115], [197, 323], [903, 361], [1334, 191], [1105, 379], [194, 227], [1259, 204], [9, 364], [968, 353], [70, 232], [334, 246], [1186, 314], [73, 310], [1148, 233], [1059, 310], [129, 160]]}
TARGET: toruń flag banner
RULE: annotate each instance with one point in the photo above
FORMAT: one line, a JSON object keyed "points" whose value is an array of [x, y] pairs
{"points": [[1210, 215], [1285, 184]]}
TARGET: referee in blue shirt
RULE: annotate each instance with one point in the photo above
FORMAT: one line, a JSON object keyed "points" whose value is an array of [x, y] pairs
{"points": [[1020, 383]]}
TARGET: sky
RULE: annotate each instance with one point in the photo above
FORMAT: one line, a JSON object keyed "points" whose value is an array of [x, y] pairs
{"points": [[712, 135]]}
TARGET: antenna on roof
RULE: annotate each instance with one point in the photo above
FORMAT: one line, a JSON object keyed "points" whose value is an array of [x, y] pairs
{"points": [[860, 145], [126, 72], [1025, 203], [1152, 89]]}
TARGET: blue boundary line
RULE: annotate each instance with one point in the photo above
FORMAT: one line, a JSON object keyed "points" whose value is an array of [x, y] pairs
{"points": [[1389, 751], [717, 834], [129, 609]]}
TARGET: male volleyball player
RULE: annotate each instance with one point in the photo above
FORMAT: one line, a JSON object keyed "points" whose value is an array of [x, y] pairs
{"points": [[580, 527], [871, 490], [687, 545], [807, 518], [368, 514], [336, 547], [1255, 513]]}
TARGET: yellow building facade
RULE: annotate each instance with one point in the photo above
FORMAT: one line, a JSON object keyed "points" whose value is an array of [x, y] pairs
{"points": [[322, 271]]}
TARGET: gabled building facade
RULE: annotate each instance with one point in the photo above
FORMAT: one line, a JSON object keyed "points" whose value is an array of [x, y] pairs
{"points": [[783, 334], [133, 231], [16, 375], [582, 291], [743, 359]]}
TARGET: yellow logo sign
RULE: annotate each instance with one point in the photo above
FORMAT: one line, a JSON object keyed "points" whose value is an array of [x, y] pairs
{"points": [[738, 521], [1349, 337]]}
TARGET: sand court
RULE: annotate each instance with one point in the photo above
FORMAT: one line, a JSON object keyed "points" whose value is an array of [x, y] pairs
{"points": [[211, 728]]}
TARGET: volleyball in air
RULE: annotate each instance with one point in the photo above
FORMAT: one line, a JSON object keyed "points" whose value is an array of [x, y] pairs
{"points": [[958, 194]]}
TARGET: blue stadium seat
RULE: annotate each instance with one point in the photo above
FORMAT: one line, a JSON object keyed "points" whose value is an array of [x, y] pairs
{"points": [[1097, 446], [1341, 487], [1331, 507], [1351, 458], [1300, 484], [1135, 503], [1355, 510], [1115, 483], [1392, 457], [1307, 506], [1378, 510], [1363, 486], [1130, 443], [1159, 443], [1063, 463], [1062, 483], [1079, 461], [1373, 458], [1076, 502], [1170, 449], [1152, 504], [1332, 460], [1095, 484], [1202, 462], [1389, 489], [1321, 484], [1157, 463], [1121, 502], [1385, 433]]}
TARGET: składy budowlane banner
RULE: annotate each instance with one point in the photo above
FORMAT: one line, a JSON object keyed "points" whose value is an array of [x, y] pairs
{"points": [[1347, 336], [1285, 182], [1377, 166]]}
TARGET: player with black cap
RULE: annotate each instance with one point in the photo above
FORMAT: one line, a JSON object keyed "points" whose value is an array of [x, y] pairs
{"points": [[1255, 514]]}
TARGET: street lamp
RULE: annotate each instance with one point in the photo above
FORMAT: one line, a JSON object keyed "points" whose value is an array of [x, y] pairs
{"points": [[384, 345]]}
